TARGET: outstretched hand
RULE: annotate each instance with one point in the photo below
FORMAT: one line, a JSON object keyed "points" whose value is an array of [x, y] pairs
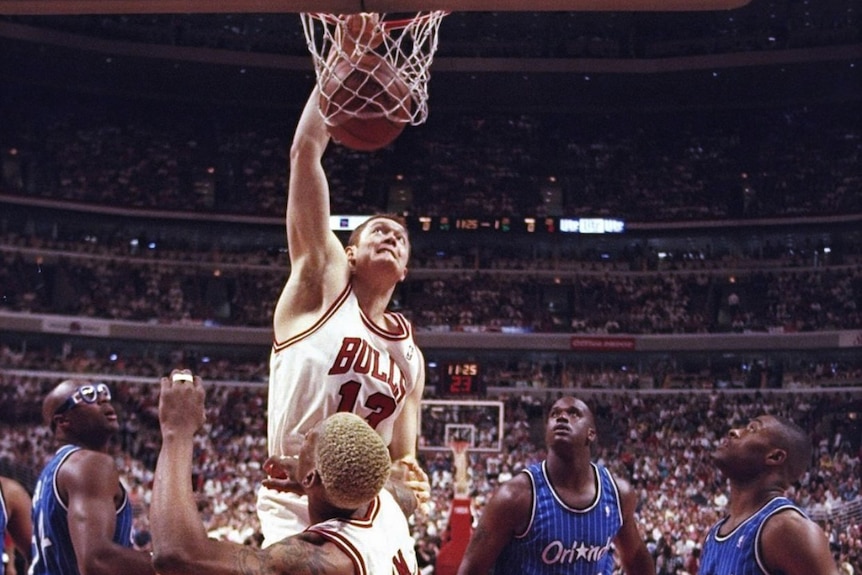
{"points": [[181, 403]]}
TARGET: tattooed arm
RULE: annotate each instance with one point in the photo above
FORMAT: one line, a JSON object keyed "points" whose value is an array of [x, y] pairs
{"points": [[301, 554], [180, 542]]}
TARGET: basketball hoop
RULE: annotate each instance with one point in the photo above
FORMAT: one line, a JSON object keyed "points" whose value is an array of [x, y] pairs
{"points": [[406, 46]]}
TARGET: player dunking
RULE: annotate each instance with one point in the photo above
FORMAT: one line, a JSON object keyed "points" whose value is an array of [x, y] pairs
{"points": [[336, 347]]}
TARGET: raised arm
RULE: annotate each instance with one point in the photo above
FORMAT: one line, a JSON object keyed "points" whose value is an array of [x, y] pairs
{"points": [[319, 269], [180, 543]]}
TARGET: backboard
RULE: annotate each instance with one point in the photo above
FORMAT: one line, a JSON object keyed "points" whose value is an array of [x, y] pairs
{"points": [[479, 423]]}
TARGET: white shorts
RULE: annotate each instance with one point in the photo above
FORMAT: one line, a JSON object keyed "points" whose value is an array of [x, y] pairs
{"points": [[281, 514]]}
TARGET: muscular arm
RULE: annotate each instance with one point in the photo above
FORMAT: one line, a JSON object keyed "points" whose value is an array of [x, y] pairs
{"points": [[319, 268], [89, 482], [505, 515], [402, 448], [180, 543], [406, 430], [18, 506], [810, 549], [635, 557]]}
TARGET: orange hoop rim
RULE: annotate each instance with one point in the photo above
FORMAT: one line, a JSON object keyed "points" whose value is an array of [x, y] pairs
{"points": [[387, 25]]}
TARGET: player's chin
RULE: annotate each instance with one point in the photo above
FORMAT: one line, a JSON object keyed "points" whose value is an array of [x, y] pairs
{"points": [[388, 266]]}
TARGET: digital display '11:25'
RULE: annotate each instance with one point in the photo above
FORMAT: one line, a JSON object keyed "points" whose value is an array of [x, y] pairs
{"points": [[461, 378]]}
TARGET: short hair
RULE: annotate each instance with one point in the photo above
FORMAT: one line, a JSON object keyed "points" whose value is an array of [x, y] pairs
{"points": [[796, 442], [357, 231], [352, 460]]}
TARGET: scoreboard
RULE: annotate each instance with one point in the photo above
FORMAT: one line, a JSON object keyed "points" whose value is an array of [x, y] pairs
{"points": [[462, 378]]}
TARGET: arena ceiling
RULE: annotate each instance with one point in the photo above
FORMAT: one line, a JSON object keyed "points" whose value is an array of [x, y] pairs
{"points": [[348, 6], [37, 54]]}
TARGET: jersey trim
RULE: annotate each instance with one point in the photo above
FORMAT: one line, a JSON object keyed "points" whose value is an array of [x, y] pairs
{"points": [[339, 301], [336, 538], [559, 499], [402, 331]]}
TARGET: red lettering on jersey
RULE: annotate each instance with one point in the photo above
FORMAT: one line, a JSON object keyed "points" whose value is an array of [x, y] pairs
{"points": [[346, 355], [376, 373], [400, 564], [397, 383], [358, 355], [363, 358]]}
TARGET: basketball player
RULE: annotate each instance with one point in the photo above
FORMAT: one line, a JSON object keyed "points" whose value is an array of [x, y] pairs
{"points": [[357, 526], [764, 531], [82, 518], [336, 347], [14, 523], [565, 514]]}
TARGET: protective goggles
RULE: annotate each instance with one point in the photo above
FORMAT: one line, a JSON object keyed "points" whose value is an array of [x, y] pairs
{"points": [[90, 393]]}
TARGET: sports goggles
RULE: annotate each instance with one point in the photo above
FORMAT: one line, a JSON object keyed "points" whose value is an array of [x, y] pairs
{"points": [[90, 393]]}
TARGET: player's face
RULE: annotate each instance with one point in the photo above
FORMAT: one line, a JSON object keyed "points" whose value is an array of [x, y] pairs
{"points": [[570, 421], [383, 243], [742, 451], [88, 409]]}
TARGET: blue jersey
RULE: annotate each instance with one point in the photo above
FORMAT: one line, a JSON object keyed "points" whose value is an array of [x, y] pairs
{"points": [[561, 539], [4, 518], [53, 553], [738, 552]]}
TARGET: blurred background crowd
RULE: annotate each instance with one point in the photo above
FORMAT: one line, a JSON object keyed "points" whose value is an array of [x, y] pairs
{"points": [[147, 207]]}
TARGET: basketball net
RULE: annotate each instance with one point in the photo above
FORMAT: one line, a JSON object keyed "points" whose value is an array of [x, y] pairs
{"points": [[462, 481], [407, 46]]}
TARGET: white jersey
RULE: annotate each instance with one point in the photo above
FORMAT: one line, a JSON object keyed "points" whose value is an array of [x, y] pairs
{"points": [[378, 542], [341, 363]]}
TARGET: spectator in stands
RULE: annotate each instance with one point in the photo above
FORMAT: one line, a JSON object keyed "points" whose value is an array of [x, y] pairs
{"points": [[565, 498], [357, 526], [82, 510], [15, 524], [330, 320], [763, 529]]}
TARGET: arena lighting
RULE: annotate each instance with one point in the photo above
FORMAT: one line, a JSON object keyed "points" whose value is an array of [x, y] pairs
{"points": [[592, 225]]}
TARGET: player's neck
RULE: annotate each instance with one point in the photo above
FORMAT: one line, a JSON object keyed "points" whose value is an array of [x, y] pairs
{"points": [[576, 473], [373, 301], [746, 500]]}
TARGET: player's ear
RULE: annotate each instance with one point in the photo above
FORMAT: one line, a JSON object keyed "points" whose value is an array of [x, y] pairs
{"points": [[310, 480], [351, 256], [776, 457]]}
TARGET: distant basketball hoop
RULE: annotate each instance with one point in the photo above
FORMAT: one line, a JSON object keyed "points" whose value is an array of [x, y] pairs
{"points": [[407, 46]]}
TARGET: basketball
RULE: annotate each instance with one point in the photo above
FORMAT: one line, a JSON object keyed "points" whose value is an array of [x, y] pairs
{"points": [[366, 103]]}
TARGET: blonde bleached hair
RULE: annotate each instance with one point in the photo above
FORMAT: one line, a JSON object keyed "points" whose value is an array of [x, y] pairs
{"points": [[352, 460]]}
